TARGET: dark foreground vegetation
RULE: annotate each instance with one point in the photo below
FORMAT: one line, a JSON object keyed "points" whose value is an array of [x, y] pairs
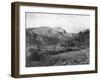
{"points": [[43, 49]]}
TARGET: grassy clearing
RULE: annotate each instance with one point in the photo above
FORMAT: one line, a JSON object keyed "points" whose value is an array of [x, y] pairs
{"points": [[78, 57]]}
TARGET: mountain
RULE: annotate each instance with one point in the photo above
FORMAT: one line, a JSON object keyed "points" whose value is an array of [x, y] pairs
{"points": [[46, 36], [55, 38], [50, 32]]}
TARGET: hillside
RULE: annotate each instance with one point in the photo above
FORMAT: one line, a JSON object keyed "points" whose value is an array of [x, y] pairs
{"points": [[46, 36], [43, 43], [50, 37]]}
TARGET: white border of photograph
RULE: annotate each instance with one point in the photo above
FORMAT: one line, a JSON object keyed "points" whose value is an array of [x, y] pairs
{"points": [[53, 69]]}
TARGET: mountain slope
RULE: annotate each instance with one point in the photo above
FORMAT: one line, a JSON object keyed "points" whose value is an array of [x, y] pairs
{"points": [[55, 37], [46, 36]]}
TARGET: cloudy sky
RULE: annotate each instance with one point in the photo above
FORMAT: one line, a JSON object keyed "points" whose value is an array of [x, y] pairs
{"points": [[71, 23]]}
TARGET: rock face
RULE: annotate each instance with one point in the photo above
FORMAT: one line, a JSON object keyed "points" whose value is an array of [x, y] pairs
{"points": [[46, 36]]}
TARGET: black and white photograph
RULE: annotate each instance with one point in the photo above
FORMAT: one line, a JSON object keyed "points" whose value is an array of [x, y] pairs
{"points": [[53, 39], [57, 39]]}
